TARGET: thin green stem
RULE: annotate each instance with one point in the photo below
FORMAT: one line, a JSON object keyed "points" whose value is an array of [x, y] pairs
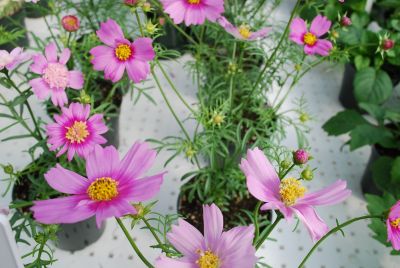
{"points": [[146, 222], [287, 171], [139, 22], [133, 244], [231, 97], [256, 224], [272, 57], [51, 32], [174, 87], [265, 234], [334, 230]]}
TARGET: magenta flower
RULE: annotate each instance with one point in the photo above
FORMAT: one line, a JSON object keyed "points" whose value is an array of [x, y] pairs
{"points": [[11, 60], [74, 131], [193, 11], [393, 226], [216, 249], [288, 195], [120, 54], [110, 187], [311, 39], [55, 77], [243, 32]]}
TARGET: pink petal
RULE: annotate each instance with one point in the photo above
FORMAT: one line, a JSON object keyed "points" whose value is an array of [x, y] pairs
{"points": [[213, 225], [393, 235], [16, 51], [61, 210], [260, 33], [138, 70], [79, 111], [330, 195], [66, 181], [40, 88], [102, 162], [320, 25], [195, 15], [143, 189], [137, 161], [143, 49], [114, 71], [323, 47], [59, 97], [51, 52], [39, 64], [165, 262], [116, 208], [286, 211], [109, 32], [65, 55], [186, 239], [213, 9], [316, 227], [75, 80], [298, 29], [176, 11], [102, 55]]}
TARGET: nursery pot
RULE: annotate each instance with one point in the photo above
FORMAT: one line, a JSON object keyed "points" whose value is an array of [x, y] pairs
{"points": [[193, 211], [172, 39], [77, 236], [38, 10], [368, 185], [15, 22]]}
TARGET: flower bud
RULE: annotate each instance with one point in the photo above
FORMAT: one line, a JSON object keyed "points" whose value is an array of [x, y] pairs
{"points": [[146, 7], [307, 174], [218, 119], [335, 34], [70, 23], [8, 169], [300, 157], [85, 98], [131, 3], [388, 44], [285, 164], [304, 117], [346, 21], [151, 28], [161, 21]]}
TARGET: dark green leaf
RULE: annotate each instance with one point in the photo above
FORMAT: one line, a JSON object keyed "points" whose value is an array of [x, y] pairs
{"points": [[372, 86], [368, 135], [343, 122]]}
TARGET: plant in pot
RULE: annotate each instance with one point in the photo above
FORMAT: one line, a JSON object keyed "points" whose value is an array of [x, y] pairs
{"points": [[39, 9], [12, 25]]}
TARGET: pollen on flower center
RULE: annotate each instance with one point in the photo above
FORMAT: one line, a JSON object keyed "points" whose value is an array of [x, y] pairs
{"points": [[291, 190], [194, 2], [396, 223], [56, 76], [208, 260], [123, 52], [244, 31], [77, 133], [310, 39], [103, 189]]}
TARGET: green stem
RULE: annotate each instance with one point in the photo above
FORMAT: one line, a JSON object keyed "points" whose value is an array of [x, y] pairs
{"points": [[133, 244], [264, 235], [256, 224], [334, 230], [232, 77], [51, 33], [287, 171], [272, 57], [139, 22], [146, 222], [174, 88]]}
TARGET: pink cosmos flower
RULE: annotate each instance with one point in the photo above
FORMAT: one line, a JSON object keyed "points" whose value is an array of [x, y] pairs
{"points": [[310, 39], [193, 11], [75, 131], [231, 249], [288, 195], [243, 32], [110, 187], [120, 54], [393, 226], [55, 77], [11, 60]]}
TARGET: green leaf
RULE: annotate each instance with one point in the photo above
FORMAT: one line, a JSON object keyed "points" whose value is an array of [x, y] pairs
{"points": [[376, 111], [395, 171], [372, 86], [381, 172], [368, 134], [343, 122], [361, 62]]}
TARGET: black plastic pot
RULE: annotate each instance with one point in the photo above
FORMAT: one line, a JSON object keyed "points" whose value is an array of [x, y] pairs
{"points": [[15, 22], [172, 39], [37, 10], [368, 185], [77, 236], [112, 135]]}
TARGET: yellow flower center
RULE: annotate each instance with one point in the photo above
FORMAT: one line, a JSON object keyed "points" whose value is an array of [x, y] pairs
{"points": [[396, 223], [310, 39], [218, 119], [291, 190], [123, 52], [244, 31], [208, 260], [77, 133], [103, 189], [194, 2]]}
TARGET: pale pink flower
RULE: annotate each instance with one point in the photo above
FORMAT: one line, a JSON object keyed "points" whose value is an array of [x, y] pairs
{"points": [[216, 248], [393, 226], [55, 76], [193, 11], [243, 32], [108, 191], [11, 60], [311, 40], [119, 54], [288, 195]]}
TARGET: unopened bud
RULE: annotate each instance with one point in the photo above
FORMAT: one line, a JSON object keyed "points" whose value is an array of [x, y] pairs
{"points": [[307, 174], [300, 157]]}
